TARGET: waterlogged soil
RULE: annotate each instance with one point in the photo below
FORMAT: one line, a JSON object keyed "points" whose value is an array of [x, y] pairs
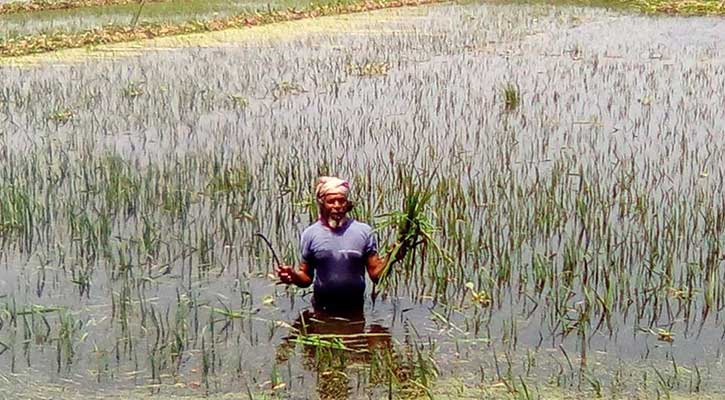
{"points": [[597, 88]]}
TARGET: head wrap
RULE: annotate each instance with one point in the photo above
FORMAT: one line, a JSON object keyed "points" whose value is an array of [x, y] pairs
{"points": [[327, 185]]}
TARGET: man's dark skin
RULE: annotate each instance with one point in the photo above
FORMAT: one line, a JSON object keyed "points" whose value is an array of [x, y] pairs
{"points": [[334, 209]]}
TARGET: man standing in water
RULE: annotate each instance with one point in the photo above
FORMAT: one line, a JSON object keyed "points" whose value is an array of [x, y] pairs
{"points": [[336, 251]]}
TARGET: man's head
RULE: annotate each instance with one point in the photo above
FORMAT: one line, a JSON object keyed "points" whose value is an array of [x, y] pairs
{"points": [[331, 194]]}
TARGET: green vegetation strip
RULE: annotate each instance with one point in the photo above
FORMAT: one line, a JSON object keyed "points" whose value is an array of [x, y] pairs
{"points": [[34, 44], [667, 7], [46, 5], [678, 7]]}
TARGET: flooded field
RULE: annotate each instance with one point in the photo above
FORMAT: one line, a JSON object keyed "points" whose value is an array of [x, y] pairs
{"points": [[574, 156]]}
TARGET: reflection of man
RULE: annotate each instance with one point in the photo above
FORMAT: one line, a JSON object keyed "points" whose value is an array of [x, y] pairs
{"points": [[331, 344], [336, 252]]}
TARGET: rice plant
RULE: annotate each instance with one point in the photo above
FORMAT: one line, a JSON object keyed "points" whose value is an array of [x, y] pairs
{"points": [[511, 95]]}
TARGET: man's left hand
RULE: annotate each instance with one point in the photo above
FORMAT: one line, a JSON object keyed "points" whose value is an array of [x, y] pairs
{"points": [[286, 274]]}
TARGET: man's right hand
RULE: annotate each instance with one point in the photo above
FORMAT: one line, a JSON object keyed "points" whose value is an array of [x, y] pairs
{"points": [[286, 274], [402, 252]]}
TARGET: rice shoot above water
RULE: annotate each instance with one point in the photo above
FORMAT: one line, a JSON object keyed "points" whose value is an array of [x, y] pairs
{"points": [[413, 225]]}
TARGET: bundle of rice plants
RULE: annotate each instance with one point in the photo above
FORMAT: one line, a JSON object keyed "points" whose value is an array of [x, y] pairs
{"points": [[413, 224]]}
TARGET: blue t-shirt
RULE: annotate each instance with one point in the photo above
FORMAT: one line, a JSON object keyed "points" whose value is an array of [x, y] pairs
{"points": [[339, 259]]}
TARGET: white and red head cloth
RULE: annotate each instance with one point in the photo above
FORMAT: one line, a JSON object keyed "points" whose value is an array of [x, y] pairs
{"points": [[328, 185]]}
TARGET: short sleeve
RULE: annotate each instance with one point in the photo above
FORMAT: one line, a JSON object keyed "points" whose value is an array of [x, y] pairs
{"points": [[306, 246], [371, 244]]}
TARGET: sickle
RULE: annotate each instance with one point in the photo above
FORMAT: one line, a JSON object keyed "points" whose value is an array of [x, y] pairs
{"points": [[269, 244]]}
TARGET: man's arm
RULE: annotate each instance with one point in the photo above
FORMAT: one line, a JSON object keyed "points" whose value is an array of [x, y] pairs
{"points": [[376, 264], [302, 277]]}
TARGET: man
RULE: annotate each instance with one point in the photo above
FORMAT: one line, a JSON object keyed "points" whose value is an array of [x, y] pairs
{"points": [[336, 251]]}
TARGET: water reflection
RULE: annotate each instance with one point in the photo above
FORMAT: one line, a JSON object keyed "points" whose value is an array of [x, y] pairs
{"points": [[342, 350]]}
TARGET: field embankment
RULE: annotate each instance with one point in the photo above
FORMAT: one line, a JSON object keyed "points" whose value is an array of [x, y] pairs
{"points": [[16, 7], [39, 43]]}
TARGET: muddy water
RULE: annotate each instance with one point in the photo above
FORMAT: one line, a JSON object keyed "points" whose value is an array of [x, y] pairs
{"points": [[602, 92]]}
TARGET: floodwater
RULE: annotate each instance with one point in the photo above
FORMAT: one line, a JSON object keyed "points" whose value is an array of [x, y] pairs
{"points": [[175, 305]]}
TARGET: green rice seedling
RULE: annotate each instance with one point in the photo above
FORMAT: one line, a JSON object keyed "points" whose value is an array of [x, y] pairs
{"points": [[68, 337], [511, 96], [275, 379], [17, 214], [286, 88], [121, 185], [134, 89], [595, 384], [664, 384], [176, 202], [61, 116], [238, 101], [150, 239], [524, 393], [82, 278], [425, 370], [367, 69]]}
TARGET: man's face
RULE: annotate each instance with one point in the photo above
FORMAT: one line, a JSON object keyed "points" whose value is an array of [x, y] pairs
{"points": [[333, 209]]}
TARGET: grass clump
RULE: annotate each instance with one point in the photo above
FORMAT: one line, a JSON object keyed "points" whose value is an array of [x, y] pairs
{"points": [[238, 101], [367, 69], [511, 95], [286, 88], [61, 116], [134, 89], [676, 7], [16, 210]]}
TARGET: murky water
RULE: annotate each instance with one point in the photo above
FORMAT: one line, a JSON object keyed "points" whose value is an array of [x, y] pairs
{"points": [[141, 272]]}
